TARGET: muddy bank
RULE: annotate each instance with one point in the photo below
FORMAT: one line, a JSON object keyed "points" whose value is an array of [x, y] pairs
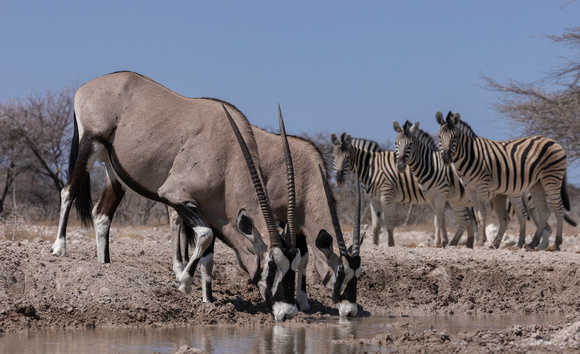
{"points": [[41, 292]]}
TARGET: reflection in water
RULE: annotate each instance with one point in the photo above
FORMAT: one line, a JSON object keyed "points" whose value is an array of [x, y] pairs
{"points": [[316, 337]]}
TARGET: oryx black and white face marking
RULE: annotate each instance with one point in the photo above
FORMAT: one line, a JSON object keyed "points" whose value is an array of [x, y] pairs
{"points": [[279, 276], [280, 261], [342, 283], [404, 143], [277, 268], [341, 156], [447, 136]]}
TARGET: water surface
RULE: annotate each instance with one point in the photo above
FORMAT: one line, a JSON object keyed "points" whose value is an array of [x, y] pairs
{"points": [[316, 337]]}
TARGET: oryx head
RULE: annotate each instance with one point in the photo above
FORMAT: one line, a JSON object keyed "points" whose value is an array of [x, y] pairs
{"points": [[404, 143], [347, 265], [278, 263], [448, 136], [341, 156]]}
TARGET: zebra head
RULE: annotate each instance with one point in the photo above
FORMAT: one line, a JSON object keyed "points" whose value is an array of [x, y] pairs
{"points": [[448, 135], [404, 143], [280, 260], [341, 156], [347, 266]]}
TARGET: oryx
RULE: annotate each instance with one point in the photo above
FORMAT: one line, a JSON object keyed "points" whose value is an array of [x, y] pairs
{"points": [[314, 223], [181, 152]]}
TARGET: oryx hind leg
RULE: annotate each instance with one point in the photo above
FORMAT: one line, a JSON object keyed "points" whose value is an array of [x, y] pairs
{"points": [[103, 212], [88, 151]]}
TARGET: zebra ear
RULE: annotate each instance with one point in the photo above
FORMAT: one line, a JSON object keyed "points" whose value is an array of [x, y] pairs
{"points": [[439, 118], [414, 128], [456, 118], [397, 127], [334, 139], [347, 139]]}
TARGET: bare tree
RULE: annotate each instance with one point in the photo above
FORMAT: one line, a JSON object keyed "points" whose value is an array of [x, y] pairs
{"points": [[12, 159], [42, 126], [535, 109]]}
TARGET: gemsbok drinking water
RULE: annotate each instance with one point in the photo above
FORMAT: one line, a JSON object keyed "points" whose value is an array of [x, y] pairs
{"points": [[181, 152], [314, 223]]}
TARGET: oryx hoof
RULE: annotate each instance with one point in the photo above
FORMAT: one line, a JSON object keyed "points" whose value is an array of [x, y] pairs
{"points": [[59, 248], [185, 282]]}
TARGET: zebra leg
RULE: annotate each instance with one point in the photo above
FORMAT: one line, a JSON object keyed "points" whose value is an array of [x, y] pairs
{"points": [[479, 200], [389, 216], [543, 212], [472, 228], [437, 230], [103, 212], [440, 218], [88, 151], [522, 215], [301, 298], [376, 219], [554, 194], [533, 213], [463, 220], [499, 206]]}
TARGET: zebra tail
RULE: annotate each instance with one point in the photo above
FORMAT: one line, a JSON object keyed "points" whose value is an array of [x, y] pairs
{"points": [[564, 193], [83, 202], [569, 220]]}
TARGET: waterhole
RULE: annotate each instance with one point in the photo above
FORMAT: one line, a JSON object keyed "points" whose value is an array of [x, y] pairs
{"points": [[319, 336]]}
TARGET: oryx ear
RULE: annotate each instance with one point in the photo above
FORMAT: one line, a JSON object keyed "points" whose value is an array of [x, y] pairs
{"points": [[324, 243], [397, 127], [245, 225], [439, 118], [414, 128], [334, 139]]}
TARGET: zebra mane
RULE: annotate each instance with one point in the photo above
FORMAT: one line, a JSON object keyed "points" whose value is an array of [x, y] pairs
{"points": [[366, 145], [423, 137], [462, 126]]}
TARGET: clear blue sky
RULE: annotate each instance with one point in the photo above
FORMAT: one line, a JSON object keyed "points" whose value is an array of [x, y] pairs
{"points": [[334, 66]]}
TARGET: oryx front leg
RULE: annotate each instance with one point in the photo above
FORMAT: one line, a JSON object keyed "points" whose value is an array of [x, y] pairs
{"points": [[301, 297], [204, 239]]}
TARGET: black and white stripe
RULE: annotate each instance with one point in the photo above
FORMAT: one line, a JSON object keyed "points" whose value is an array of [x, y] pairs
{"points": [[511, 168], [379, 176]]}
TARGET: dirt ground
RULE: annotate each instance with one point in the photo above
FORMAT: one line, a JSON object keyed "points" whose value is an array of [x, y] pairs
{"points": [[41, 292]]}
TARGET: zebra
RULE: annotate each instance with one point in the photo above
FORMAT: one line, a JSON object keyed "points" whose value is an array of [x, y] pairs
{"points": [[381, 180], [512, 167], [417, 149]]}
